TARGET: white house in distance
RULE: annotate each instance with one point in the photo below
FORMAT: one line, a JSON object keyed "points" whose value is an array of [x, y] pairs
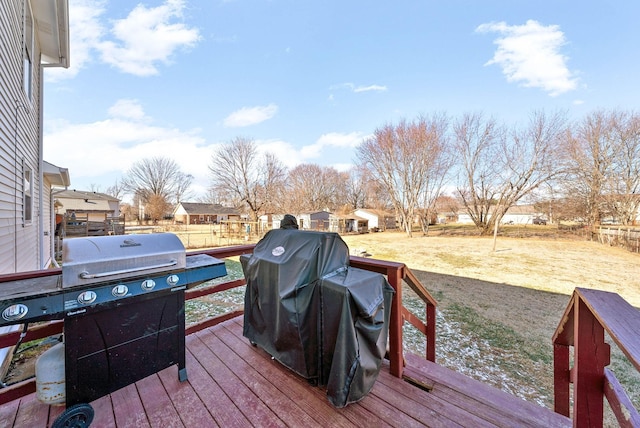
{"points": [[518, 214], [201, 213], [34, 36], [378, 220]]}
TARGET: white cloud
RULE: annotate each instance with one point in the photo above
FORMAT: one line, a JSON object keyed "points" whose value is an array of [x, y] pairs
{"points": [[375, 88], [108, 148], [282, 150], [332, 140], [127, 109], [529, 54], [247, 116], [85, 32], [135, 44], [353, 88], [148, 36]]}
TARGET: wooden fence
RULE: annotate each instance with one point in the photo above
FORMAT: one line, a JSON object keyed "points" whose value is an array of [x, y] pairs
{"points": [[619, 236]]}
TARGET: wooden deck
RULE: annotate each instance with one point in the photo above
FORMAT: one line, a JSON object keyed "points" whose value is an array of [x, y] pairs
{"points": [[233, 384]]}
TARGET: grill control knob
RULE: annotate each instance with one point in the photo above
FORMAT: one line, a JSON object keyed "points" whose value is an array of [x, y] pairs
{"points": [[172, 280], [15, 312], [87, 297], [148, 284], [120, 290]]}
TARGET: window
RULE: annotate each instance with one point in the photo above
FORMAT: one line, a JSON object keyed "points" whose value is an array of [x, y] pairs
{"points": [[28, 40], [27, 191]]}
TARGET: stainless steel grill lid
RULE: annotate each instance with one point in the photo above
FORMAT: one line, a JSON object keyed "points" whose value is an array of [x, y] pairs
{"points": [[106, 258]]}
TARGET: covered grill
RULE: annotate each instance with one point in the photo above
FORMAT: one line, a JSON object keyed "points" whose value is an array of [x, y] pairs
{"points": [[122, 302], [318, 316]]}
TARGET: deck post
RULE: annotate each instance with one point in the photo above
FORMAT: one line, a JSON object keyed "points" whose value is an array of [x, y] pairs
{"points": [[396, 360], [561, 379], [591, 355]]}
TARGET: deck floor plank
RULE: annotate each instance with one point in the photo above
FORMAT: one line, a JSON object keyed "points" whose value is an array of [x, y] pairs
{"points": [[191, 409], [492, 404], [423, 406], [233, 384], [157, 403], [223, 410], [128, 409], [286, 381], [9, 413], [31, 412], [290, 413], [103, 413], [243, 398]]}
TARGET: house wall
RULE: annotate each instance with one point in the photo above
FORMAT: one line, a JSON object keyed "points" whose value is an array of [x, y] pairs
{"points": [[518, 218], [19, 145], [373, 218]]}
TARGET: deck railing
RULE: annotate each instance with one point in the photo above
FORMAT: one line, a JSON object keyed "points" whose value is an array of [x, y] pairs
{"points": [[588, 316], [396, 273]]}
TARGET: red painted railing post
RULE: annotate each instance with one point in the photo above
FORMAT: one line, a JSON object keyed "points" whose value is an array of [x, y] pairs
{"points": [[590, 358], [431, 332], [561, 379], [396, 358]]}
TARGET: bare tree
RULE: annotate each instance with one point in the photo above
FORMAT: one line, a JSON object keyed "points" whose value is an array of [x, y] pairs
{"points": [[623, 187], [117, 190], [501, 167], [402, 159], [356, 187], [605, 160], [241, 175], [312, 187], [591, 153], [157, 176]]}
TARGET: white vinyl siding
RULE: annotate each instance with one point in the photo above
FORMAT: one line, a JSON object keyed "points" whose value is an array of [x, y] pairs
{"points": [[19, 143], [28, 51], [27, 195]]}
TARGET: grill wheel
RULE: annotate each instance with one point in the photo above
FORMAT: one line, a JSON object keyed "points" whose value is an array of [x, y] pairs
{"points": [[76, 416]]}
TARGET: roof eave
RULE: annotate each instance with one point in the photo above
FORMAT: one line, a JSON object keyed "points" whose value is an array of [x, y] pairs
{"points": [[57, 176], [52, 23]]}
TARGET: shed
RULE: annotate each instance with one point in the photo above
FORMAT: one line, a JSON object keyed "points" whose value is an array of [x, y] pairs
{"points": [[348, 223], [318, 220]]}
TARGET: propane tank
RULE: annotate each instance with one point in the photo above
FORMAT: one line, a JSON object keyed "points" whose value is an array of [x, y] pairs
{"points": [[50, 379]]}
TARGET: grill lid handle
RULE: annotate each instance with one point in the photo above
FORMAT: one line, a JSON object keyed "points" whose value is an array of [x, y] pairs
{"points": [[87, 275]]}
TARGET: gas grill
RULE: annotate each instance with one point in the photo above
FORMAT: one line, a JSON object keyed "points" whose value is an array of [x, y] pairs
{"points": [[122, 302]]}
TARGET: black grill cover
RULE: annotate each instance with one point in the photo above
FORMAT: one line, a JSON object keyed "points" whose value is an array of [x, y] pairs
{"points": [[305, 307]]}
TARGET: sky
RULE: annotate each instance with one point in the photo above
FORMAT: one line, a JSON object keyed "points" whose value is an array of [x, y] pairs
{"points": [[310, 80]]}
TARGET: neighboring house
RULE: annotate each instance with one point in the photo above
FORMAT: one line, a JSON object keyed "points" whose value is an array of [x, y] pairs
{"points": [[83, 213], [447, 217], [267, 222], [377, 219], [34, 36], [518, 214], [199, 213], [318, 220], [93, 206]]}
